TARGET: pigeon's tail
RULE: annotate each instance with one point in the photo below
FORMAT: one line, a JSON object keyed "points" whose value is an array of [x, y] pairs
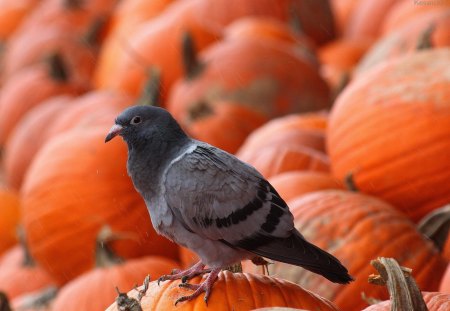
{"points": [[297, 251]]}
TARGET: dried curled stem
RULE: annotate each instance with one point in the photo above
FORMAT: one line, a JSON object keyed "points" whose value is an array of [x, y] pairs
{"points": [[403, 290]]}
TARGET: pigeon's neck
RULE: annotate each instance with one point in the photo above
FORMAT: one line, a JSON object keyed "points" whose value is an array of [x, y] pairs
{"points": [[148, 160]]}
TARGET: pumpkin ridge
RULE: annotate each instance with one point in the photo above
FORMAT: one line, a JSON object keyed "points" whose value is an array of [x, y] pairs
{"points": [[346, 130], [427, 143]]}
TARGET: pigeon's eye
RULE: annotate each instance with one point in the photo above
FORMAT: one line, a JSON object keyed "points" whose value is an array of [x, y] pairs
{"points": [[136, 120]]}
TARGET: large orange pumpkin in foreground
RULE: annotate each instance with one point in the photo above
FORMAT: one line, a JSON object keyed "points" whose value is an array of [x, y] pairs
{"points": [[76, 185], [233, 291], [357, 228], [390, 129]]}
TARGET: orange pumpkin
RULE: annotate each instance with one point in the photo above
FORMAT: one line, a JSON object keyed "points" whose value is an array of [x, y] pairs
{"points": [[78, 15], [296, 129], [19, 274], [155, 43], [296, 183], [9, 218], [430, 30], [95, 289], [338, 58], [313, 124], [76, 185], [367, 18], [342, 12], [35, 301], [388, 128], [12, 13], [209, 121], [281, 33], [238, 291], [446, 250], [434, 301], [403, 12], [126, 18], [31, 47], [357, 228], [28, 136], [272, 80], [28, 88], [314, 17], [279, 158], [445, 282]]}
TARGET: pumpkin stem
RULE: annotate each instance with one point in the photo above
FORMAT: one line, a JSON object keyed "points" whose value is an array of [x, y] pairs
{"points": [[28, 260], [342, 83], [424, 42], [73, 4], [151, 91], [39, 300], [127, 303], [4, 302], [436, 226], [199, 110], [403, 290], [57, 67], [104, 254], [192, 65], [349, 182], [295, 21], [92, 35]]}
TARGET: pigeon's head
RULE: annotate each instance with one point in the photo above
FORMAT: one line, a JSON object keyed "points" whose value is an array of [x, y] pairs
{"points": [[137, 122]]}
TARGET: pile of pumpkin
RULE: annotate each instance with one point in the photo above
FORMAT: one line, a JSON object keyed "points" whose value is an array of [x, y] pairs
{"points": [[344, 105]]}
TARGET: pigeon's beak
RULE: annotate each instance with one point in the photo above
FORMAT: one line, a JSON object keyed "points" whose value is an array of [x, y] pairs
{"points": [[113, 132]]}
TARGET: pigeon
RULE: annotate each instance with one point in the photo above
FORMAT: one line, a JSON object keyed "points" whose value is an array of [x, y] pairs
{"points": [[209, 201]]}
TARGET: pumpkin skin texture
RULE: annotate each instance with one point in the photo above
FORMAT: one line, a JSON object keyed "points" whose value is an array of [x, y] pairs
{"points": [[31, 47], [296, 183], [257, 73], [407, 39], [299, 129], [126, 18], [62, 214], [238, 291], [18, 277], [26, 90], [12, 14], [276, 159], [27, 138], [154, 44], [367, 18], [403, 12], [239, 121], [95, 289], [435, 302], [445, 282], [269, 29], [357, 228], [9, 218], [90, 109], [388, 129]]}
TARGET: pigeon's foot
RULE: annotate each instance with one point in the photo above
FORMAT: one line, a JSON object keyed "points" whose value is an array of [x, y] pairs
{"points": [[203, 287], [185, 275]]}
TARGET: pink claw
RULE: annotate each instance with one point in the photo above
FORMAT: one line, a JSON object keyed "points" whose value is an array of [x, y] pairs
{"points": [[185, 275], [203, 287]]}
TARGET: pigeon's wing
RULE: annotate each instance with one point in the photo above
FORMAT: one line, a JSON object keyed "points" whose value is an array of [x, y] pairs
{"points": [[221, 198], [218, 197]]}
